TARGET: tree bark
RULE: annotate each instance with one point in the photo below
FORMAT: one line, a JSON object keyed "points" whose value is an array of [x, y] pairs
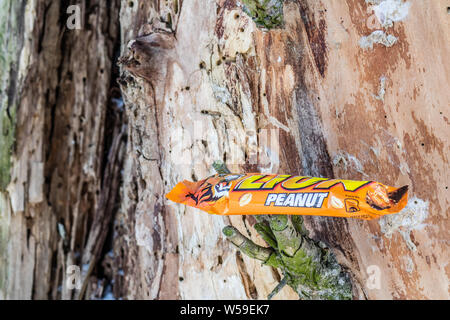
{"points": [[323, 88], [67, 144]]}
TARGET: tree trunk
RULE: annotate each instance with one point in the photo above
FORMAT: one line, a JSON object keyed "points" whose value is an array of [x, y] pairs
{"points": [[58, 189], [342, 89]]}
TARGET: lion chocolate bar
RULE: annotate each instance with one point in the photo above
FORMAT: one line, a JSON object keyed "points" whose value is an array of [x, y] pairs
{"points": [[254, 193]]}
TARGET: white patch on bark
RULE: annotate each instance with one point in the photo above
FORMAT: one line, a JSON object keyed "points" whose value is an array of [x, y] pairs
{"points": [[410, 266], [17, 198], [144, 237], [62, 231], [348, 161], [378, 36], [390, 11], [35, 191], [373, 1], [404, 168], [221, 94], [382, 90], [409, 219]]}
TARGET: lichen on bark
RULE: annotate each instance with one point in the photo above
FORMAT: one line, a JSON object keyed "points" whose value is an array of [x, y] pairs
{"points": [[8, 69], [12, 22], [266, 14], [6, 144], [310, 268]]}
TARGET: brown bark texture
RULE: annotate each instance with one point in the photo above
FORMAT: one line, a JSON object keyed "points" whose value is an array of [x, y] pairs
{"points": [[106, 119]]}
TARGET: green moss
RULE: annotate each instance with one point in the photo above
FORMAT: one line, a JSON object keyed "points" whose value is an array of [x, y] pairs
{"points": [[308, 266], [228, 231], [9, 42], [7, 127], [317, 278], [267, 14], [267, 234]]}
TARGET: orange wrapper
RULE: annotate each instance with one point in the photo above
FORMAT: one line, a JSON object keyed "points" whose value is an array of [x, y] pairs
{"points": [[254, 193]]}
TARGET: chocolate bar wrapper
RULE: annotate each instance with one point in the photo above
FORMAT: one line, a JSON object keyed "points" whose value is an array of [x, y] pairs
{"points": [[256, 193]]}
